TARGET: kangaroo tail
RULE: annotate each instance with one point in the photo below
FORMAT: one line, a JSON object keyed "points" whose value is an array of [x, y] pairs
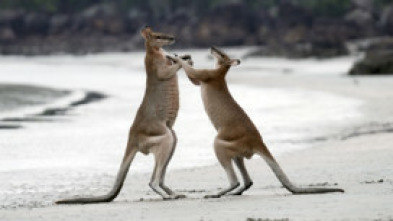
{"points": [[121, 176], [282, 177]]}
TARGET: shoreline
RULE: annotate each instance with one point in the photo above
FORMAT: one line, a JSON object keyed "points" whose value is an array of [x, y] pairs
{"points": [[16, 122]]}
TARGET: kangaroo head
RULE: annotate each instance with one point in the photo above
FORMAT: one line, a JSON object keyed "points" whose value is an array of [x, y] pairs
{"points": [[223, 60], [156, 39]]}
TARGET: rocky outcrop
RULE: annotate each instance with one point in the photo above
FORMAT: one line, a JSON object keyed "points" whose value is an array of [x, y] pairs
{"points": [[378, 60], [229, 24], [283, 30]]}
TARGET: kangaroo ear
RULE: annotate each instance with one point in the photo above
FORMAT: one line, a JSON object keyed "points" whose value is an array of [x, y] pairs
{"points": [[234, 62], [145, 32], [215, 52]]}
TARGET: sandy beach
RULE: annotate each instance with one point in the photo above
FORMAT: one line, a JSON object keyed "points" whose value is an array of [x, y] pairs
{"points": [[357, 158], [362, 166]]}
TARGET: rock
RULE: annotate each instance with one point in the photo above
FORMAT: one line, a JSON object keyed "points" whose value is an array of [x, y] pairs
{"points": [[36, 23], [209, 33], [290, 15], [115, 26], [181, 23], [78, 24], [385, 44], [181, 17], [135, 20], [386, 20], [323, 39], [294, 35], [103, 18], [359, 17], [100, 11], [365, 5], [285, 29], [10, 16], [291, 32], [363, 20], [378, 60], [59, 23], [328, 49], [328, 37], [228, 24], [373, 65], [264, 26], [13, 19], [6, 35]]}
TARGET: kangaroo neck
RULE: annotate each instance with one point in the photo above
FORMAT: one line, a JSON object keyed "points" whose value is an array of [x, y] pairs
{"points": [[150, 49]]}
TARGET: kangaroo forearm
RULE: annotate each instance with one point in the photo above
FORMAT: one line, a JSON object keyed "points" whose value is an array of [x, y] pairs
{"points": [[190, 71], [200, 74], [168, 72]]}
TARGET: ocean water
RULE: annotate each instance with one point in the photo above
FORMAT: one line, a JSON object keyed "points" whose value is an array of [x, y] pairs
{"points": [[80, 151]]}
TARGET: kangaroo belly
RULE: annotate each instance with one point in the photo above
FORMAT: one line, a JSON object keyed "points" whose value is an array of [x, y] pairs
{"points": [[171, 100], [161, 101], [167, 101]]}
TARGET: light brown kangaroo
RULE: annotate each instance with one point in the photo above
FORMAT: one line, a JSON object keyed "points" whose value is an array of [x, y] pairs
{"points": [[152, 130], [237, 137]]}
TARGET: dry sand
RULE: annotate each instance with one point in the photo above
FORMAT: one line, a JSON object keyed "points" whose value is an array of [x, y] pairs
{"points": [[361, 164]]}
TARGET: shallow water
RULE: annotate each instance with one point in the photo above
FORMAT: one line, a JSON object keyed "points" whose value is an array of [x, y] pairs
{"points": [[81, 150], [13, 97]]}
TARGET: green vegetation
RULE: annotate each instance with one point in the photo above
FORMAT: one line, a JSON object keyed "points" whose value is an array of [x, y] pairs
{"points": [[326, 7], [320, 7], [380, 4], [47, 5]]}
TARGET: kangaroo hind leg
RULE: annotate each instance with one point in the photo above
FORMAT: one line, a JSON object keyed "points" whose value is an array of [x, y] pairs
{"points": [[239, 161], [163, 153], [162, 178], [226, 163]]}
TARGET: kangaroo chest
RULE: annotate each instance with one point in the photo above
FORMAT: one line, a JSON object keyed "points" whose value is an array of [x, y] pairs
{"points": [[217, 105], [169, 105]]}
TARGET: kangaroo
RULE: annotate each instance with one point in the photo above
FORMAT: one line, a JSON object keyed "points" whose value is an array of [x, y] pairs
{"points": [[237, 137], [151, 131]]}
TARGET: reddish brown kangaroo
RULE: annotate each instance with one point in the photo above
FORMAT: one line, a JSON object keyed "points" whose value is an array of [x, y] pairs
{"points": [[152, 130], [237, 137]]}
